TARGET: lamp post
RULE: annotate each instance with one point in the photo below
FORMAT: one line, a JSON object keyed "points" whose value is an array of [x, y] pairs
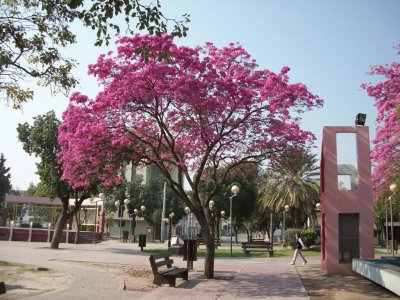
{"points": [[222, 222], [235, 190], [387, 230], [284, 219], [211, 207], [171, 215], [393, 188], [187, 212], [137, 212], [119, 207]]}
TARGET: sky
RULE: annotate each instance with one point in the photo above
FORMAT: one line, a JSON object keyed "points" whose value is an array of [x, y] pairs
{"points": [[328, 45]]}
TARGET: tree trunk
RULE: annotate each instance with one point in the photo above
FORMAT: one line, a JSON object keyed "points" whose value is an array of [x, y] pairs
{"points": [[55, 241], [207, 229], [65, 215], [271, 229], [236, 236], [78, 226], [210, 255]]}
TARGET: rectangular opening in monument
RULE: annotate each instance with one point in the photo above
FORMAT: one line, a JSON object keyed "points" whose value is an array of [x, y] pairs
{"points": [[346, 156], [349, 237]]}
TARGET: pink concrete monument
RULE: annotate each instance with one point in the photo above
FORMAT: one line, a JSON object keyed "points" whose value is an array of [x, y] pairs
{"points": [[346, 214]]}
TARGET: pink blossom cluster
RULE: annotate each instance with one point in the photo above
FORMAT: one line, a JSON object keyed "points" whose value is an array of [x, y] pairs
{"points": [[386, 152], [175, 106]]}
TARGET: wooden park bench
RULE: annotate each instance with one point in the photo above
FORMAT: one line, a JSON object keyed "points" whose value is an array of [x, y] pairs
{"points": [[256, 239], [257, 246], [164, 272], [202, 241]]}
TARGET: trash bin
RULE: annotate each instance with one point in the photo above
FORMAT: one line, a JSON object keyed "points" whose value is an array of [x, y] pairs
{"points": [[142, 241], [125, 236], [190, 252]]}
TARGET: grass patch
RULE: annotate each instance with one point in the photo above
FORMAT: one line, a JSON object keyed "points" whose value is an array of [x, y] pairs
{"points": [[4, 263]]}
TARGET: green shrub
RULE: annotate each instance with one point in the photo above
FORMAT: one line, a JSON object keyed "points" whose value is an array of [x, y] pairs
{"points": [[289, 237], [309, 236]]}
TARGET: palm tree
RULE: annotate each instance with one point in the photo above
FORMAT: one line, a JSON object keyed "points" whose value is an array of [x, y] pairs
{"points": [[292, 179]]}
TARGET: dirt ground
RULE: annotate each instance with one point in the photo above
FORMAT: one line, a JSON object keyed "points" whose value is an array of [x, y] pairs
{"points": [[20, 282], [28, 280]]}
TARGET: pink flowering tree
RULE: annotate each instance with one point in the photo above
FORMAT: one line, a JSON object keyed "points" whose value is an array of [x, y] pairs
{"points": [[385, 154], [187, 111]]}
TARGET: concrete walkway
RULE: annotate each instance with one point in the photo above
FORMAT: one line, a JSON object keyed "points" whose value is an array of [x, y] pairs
{"points": [[244, 278]]}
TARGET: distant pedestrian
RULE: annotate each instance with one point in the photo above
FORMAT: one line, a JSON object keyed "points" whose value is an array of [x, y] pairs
{"points": [[297, 251]]}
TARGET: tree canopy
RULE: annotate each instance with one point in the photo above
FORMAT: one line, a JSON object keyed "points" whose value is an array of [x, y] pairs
{"points": [[40, 139], [386, 151], [185, 110], [292, 179], [33, 32]]}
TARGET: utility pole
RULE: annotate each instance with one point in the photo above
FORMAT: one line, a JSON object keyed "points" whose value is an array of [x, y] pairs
{"points": [[163, 213]]}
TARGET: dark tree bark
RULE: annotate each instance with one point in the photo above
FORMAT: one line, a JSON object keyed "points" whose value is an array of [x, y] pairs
{"points": [[64, 216]]}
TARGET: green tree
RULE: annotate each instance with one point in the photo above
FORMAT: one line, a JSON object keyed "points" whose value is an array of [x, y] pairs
{"points": [[244, 205], [40, 139], [38, 190], [5, 179], [32, 34], [15, 192], [292, 179]]}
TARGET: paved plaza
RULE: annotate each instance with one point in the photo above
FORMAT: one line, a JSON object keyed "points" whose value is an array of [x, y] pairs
{"points": [[239, 278]]}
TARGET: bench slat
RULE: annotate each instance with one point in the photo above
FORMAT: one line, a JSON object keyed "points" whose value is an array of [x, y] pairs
{"points": [[164, 263], [257, 246], [174, 272], [161, 255]]}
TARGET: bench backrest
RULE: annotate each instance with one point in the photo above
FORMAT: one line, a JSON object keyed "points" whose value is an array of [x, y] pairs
{"points": [[202, 240], [257, 243], [160, 260]]}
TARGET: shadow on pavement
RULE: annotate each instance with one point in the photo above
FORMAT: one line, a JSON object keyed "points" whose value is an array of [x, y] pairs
{"points": [[319, 285]]}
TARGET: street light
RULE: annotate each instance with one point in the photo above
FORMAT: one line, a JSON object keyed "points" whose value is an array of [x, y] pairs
{"points": [[171, 215], [222, 222], [393, 188], [284, 219], [187, 212], [119, 207], [137, 212], [235, 190], [211, 207]]}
